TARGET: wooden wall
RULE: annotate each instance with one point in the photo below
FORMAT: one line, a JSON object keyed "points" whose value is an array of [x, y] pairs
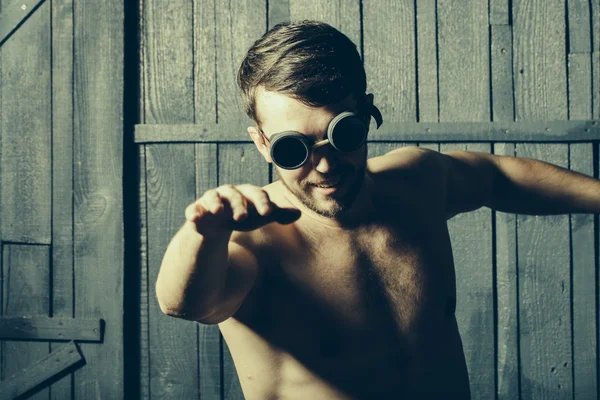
{"points": [[527, 285]]}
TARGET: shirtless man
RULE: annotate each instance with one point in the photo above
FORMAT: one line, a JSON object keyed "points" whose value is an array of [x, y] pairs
{"points": [[344, 292]]}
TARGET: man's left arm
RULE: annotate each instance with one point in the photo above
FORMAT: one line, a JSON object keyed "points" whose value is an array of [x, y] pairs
{"points": [[516, 185]]}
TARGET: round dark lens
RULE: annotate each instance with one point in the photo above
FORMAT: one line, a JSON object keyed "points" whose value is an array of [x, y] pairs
{"points": [[348, 134], [289, 152]]}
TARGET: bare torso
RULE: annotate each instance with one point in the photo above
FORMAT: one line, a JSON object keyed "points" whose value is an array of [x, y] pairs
{"points": [[363, 313]]}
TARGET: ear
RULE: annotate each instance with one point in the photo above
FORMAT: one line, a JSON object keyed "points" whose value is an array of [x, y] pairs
{"points": [[260, 143]]}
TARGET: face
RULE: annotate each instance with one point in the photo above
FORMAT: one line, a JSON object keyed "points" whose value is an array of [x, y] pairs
{"points": [[325, 165]]}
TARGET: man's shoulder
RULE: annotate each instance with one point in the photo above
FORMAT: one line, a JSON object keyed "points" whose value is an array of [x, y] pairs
{"points": [[405, 162]]}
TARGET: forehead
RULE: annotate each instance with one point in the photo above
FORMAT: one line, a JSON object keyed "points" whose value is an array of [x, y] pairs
{"points": [[279, 112]]}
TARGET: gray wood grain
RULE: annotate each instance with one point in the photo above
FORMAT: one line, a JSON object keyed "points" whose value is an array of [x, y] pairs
{"points": [[170, 188], [502, 73], [209, 349], [499, 12], [545, 294], [168, 62], [26, 293], [279, 11], [427, 69], [580, 86], [343, 15], [26, 130], [580, 38], [62, 174], [98, 192], [205, 82], [471, 235], [595, 12], [596, 84], [144, 281], [389, 41], [44, 328], [15, 14], [238, 164], [430, 146], [507, 297], [463, 46], [238, 25], [539, 51], [380, 149], [584, 288], [43, 370]]}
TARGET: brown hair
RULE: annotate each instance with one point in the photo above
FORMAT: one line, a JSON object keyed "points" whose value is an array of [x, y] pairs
{"points": [[309, 61]]}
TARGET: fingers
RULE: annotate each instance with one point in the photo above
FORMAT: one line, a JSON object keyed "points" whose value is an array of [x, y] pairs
{"points": [[258, 197], [237, 202]]}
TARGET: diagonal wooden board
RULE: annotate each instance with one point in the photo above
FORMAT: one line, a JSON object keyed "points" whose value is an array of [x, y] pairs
{"points": [[44, 370], [40, 328], [14, 15]]}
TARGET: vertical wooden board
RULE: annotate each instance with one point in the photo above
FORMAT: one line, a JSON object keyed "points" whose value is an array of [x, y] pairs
{"points": [[205, 82], [98, 192], [463, 46], [209, 348], [238, 25], [580, 35], [584, 288], [26, 129], [62, 173], [279, 11], [544, 294], [144, 281], [499, 12], [502, 79], [539, 69], [343, 15], [580, 86], [170, 188], [26, 293], [595, 11], [168, 62], [471, 235], [380, 149], [389, 57], [238, 164], [507, 297], [427, 61], [596, 85]]}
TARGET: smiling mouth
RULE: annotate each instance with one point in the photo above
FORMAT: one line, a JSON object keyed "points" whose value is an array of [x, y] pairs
{"points": [[330, 183]]}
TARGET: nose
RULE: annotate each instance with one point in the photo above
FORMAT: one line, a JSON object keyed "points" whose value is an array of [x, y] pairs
{"points": [[324, 159]]}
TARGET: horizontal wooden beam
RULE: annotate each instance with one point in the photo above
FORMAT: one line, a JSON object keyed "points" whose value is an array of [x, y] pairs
{"points": [[45, 371], [88, 330], [14, 14], [523, 131]]}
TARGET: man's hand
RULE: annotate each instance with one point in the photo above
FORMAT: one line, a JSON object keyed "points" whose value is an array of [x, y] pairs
{"points": [[230, 208]]}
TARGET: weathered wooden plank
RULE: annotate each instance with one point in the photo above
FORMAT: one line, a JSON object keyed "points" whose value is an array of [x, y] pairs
{"points": [[15, 14], [238, 25], [238, 164], [98, 192], [596, 84], [26, 292], [595, 11], [168, 62], [205, 82], [501, 131], [499, 12], [540, 75], [427, 62], [463, 45], [430, 146], [545, 294], [502, 74], [379, 149], [62, 173], [580, 86], [278, 11], [31, 378], [584, 288], [471, 235], [144, 281], [26, 122], [390, 62], [343, 15], [170, 181], [507, 297], [27, 328], [580, 38], [209, 349]]}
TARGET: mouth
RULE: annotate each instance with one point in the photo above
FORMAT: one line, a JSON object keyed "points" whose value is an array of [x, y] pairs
{"points": [[330, 186], [329, 183]]}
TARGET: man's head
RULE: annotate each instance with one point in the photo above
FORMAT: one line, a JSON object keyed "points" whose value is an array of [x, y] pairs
{"points": [[298, 77]]}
